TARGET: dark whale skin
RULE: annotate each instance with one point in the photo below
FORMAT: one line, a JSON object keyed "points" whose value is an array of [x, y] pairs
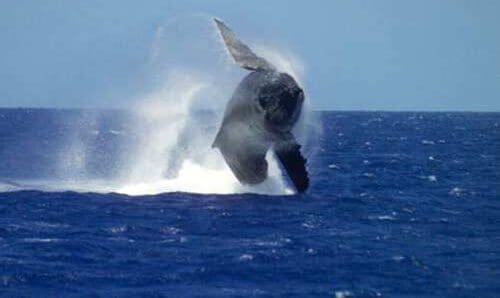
{"points": [[260, 115]]}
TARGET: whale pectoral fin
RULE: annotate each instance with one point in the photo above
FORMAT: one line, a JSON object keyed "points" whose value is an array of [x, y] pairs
{"points": [[291, 158], [241, 53]]}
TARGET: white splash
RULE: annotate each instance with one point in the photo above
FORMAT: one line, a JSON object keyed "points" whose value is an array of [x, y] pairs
{"points": [[162, 117], [198, 178]]}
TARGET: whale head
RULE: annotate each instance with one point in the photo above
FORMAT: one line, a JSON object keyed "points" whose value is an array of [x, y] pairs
{"points": [[281, 98]]}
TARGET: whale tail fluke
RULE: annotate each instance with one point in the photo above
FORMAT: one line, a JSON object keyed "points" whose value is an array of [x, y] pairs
{"points": [[240, 52]]}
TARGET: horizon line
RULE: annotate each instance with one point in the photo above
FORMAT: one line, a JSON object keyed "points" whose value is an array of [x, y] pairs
{"points": [[313, 110]]}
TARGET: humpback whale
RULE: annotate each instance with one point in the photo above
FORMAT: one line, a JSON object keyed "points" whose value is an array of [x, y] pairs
{"points": [[260, 116]]}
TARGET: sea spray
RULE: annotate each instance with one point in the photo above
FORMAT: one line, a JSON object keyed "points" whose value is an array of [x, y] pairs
{"points": [[73, 156], [161, 119]]}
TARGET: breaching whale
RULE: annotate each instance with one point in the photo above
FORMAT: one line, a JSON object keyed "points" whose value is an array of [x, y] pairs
{"points": [[260, 116]]}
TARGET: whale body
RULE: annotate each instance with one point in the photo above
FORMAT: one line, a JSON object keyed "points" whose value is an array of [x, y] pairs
{"points": [[259, 117]]}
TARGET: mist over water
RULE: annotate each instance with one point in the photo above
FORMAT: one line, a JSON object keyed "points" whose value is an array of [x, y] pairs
{"points": [[169, 147]]}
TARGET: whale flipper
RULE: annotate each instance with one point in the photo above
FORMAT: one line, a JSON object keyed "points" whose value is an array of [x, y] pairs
{"points": [[288, 152], [241, 53]]}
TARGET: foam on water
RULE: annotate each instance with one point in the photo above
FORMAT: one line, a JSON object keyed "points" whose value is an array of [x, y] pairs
{"points": [[199, 178]]}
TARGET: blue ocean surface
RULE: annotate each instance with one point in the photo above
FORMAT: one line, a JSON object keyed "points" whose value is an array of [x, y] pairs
{"points": [[400, 205]]}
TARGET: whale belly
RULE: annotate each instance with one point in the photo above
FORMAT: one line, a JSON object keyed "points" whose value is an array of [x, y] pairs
{"points": [[244, 147]]}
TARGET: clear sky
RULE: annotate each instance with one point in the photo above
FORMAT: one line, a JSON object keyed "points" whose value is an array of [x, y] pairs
{"points": [[358, 55]]}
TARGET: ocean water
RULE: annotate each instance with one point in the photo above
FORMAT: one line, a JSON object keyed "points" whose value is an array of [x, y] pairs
{"points": [[400, 205]]}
